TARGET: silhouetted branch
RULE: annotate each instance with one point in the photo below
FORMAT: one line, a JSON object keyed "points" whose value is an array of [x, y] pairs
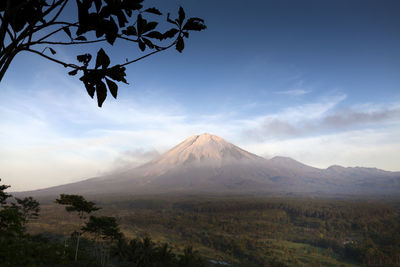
{"points": [[70, 43], [55, 31], [52, 59], [149, 54]]}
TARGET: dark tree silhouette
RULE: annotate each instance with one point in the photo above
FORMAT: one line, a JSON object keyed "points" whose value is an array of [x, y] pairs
{"points": [[14, 216], [29, 208], [103, 228], [105, 231], [82, 206], [40, 26]]}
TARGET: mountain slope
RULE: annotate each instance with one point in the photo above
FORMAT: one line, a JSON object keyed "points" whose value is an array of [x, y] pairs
{"points": [[208, 164]]}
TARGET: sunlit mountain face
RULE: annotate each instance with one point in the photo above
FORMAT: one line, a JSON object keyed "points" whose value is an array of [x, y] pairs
{"points": [[209, 164]]}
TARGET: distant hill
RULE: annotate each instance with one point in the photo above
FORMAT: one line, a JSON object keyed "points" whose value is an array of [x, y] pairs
{"points": [[208, 164]]}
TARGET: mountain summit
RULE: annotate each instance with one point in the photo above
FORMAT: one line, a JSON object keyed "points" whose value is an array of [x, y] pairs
{"points": [[204, 149], [208, 164]]}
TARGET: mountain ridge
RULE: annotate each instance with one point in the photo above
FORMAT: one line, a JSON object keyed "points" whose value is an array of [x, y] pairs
{"points": [[208, 163]]}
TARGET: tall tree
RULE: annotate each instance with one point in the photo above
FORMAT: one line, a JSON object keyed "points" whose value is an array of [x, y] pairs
{"points": [[14, 216], [104, 230], [77, 203], [40, 26]]}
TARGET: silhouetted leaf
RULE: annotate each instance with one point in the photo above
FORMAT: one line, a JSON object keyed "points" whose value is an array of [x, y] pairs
{"points": [[83, 17], [148, 43], [81, 38], [85, 58], [153, 10], [194, 24], [181, 16], [113, 87], [130, 30], [170, 33], [155, 35], [121, 18], [52, 51], [73, 72], [130, 5], [90, 89], [67, 31], [150, 26], [117, 73], [111, 31], [142, 45], [97, 4], [102, 59], [180, 44], [140, 24], [101, 92], [105, 12]]}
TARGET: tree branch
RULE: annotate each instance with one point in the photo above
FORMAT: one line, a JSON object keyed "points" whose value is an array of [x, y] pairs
{"points": [[53, 6], [12, 37], [6, 64], [29, 30], [70, 43], [53, 59], [54, 32], [126, 38], [59, 12], [149, 54], [4, 26]]}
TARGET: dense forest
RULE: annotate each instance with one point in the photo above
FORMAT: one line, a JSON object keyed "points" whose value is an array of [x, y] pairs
{"points": [[198, 231], [253, 231]]}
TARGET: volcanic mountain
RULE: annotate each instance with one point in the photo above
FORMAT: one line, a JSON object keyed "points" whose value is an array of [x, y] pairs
{"points": [[208, 164]]}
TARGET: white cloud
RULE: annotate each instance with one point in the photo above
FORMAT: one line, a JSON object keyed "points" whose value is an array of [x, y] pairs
{"points": [[49, 137]]}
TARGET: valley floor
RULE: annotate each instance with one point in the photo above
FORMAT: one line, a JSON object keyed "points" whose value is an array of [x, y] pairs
{"points": [[255, 231]]}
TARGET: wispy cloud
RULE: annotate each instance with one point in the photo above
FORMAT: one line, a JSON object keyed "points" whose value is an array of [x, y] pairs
{"points": [[294, 92], [317, 119], [349, 117], [133, 158]]}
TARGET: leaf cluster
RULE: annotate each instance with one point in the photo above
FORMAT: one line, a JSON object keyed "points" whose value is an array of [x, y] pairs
{"points": [[95, 80], [14, 216], [103, 227], [77, 203], [22, 13], [27, 25], [144, 32]]}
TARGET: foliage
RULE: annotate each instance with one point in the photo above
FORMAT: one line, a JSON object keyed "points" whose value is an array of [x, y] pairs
{"points": [[82, 206], [3, 195], [29, 207], [38, 250], [18, 248], [77, 203], [146, 253], [104, 227], [14, 216], [40, 26]]}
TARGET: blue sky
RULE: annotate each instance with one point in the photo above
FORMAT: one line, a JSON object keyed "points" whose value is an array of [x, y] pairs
{"points": [[318, 81]]}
